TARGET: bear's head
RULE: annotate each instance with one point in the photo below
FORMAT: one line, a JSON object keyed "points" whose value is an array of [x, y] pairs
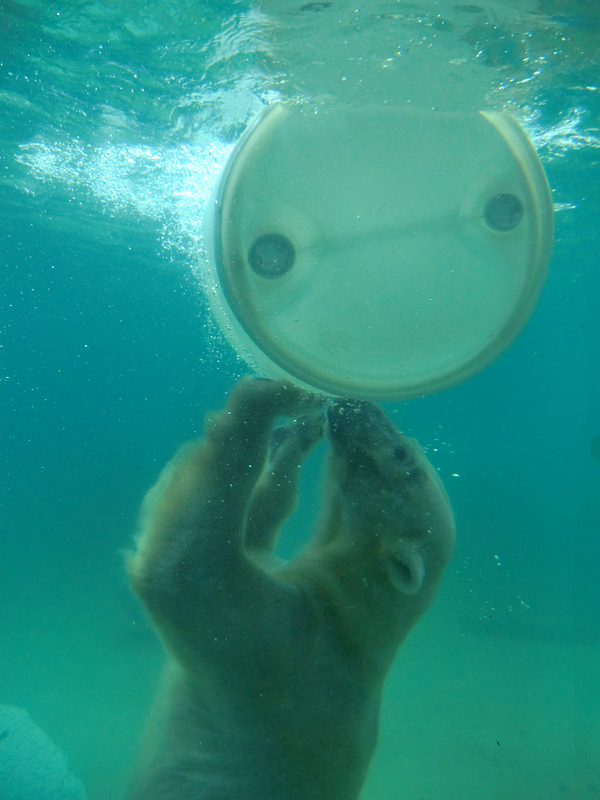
{"points": [[386, 499]]}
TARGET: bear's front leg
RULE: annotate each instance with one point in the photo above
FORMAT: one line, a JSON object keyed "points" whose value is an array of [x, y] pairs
{"points": [[190, 568], [276, 493]]}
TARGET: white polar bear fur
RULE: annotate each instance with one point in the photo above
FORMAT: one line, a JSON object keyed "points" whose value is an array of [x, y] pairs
{"points": [[274, 682]]}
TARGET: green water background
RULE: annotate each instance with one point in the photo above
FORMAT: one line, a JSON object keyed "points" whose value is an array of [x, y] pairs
{"points": [[115, 120]]}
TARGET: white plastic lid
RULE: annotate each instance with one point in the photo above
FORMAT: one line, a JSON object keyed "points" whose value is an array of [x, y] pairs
{"points": [[379, 253]]}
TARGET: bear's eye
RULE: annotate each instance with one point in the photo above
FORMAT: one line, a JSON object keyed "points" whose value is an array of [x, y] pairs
{"points": [[399, 452]]}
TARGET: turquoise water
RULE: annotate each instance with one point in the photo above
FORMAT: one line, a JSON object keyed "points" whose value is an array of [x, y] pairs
{"points": [[115, 120]]}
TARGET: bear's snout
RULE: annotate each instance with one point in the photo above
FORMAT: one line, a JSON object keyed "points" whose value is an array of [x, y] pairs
{"points": [[360, 425]]}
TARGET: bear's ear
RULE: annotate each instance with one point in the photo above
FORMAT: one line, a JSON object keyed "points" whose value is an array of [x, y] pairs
{"points": [[405, 568]]}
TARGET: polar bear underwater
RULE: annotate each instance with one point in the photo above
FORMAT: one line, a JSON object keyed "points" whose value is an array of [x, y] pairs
{"points": [[275, 674]]}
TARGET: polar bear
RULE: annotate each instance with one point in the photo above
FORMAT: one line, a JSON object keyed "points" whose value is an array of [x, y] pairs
{"points": [[276, 670]]}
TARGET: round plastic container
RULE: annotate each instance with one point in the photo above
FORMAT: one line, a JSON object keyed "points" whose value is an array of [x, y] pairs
{"points": [[378, 253]]}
